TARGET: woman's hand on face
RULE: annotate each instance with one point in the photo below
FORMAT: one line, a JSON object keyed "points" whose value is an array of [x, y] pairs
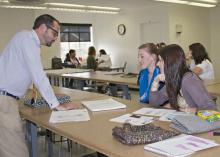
{"points": [[155, 84], [160, 77]]}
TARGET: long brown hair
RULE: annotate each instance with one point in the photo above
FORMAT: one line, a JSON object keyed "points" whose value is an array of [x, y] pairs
{"points": [[199, 53], [174, 68]]}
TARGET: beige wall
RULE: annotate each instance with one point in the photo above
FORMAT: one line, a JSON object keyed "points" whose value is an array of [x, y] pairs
{"points": [[195, 25], [215, 39], [12, 21]]}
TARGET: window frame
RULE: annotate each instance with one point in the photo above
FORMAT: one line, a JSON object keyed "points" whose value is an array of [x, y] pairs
{"points": [[78, 31]]}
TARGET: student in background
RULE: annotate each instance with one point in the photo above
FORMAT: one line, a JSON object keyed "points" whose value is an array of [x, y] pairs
{"points": [[67, 62], [73, 59], [102, 52], [67, 59], [200, 62], [147, 57], [183, 89], [23, 52], [91, 61], [107, 63]]}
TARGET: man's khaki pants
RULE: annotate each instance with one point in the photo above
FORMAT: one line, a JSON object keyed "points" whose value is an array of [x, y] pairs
{"points": [[12, 136]]}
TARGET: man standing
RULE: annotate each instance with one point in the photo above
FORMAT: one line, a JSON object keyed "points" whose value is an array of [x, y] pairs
{"points": [[20, 66]]}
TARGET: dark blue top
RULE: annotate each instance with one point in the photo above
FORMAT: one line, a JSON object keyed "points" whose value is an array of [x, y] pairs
{"points": [[145, 85]]}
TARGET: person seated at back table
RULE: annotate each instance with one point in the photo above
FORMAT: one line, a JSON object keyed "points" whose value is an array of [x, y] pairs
{"points": [[183, 88], [67, 59], [147, 57], [73, 59], [91, 61], [200, 62], [107, 63]]}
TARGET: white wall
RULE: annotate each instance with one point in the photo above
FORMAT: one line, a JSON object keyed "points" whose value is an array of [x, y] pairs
{"points": [[12, 21], [121, 48], [195, 24], [215, 39], [195, 21]]}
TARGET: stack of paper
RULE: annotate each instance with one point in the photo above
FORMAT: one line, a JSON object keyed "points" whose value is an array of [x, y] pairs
{"points": [[153, 112], [69, 115], [132, 119], [180, 146], [102, 105]]}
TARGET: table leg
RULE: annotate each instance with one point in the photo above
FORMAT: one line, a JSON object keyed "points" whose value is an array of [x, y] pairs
{"points": [[50, 144], [31, 136]]}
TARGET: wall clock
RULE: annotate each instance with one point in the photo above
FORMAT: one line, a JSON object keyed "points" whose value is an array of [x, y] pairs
{"points": [[121, 29]]}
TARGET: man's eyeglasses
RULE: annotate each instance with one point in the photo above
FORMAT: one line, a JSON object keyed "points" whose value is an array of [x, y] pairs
{"points": [[55, 31]]}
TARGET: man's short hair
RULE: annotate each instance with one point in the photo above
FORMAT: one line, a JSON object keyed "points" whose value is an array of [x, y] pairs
{"points": [[44, 19]]}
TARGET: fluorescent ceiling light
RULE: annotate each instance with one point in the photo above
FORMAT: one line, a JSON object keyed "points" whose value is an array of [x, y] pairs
{"points": [[105, 8], [190, 3], [21, 7], [83, 10], [174, 1], [66, 5], [209, 1], [82, 6], [202, 4], [103, 12], [4, 1], [67, 9]]}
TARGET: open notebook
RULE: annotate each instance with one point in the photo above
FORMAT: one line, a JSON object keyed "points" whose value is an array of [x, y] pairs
{"points": [[103, 105]]}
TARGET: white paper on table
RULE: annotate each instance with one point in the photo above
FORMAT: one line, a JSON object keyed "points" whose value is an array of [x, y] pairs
{"points": [[104, 104], [181, 145], [153, 112], [69, 115], [132, 119]]}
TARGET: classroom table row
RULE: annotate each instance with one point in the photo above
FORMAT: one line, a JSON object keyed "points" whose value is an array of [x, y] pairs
{"points": [[78, 77], [96, 133], [125, 81]]}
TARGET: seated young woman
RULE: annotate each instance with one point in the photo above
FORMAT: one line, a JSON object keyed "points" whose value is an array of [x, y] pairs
{"points": [[200, 62], [183, 89], [147, 57]]}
